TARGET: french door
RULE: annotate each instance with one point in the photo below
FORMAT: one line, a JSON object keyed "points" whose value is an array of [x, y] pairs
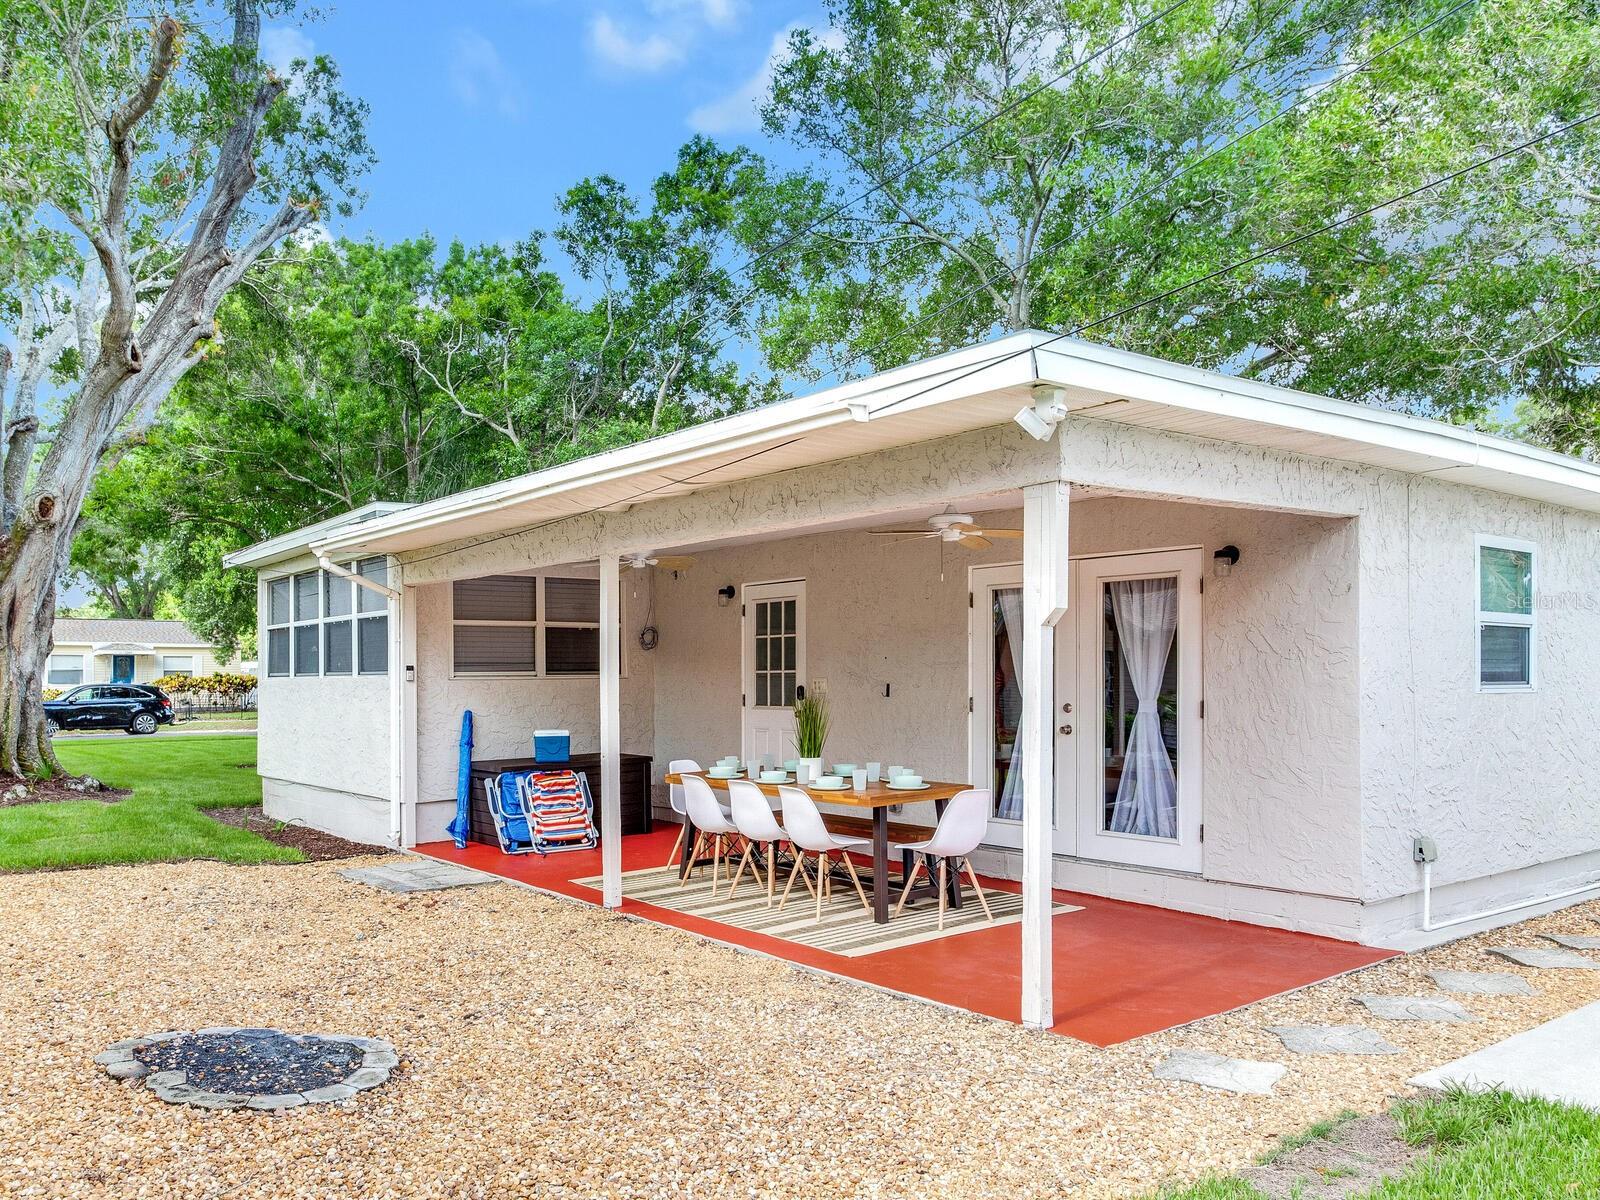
{"points": [[773, 667], [994, 657], [1138, 631]]}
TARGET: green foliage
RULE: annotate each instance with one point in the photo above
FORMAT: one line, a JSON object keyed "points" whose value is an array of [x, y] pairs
{"points": [[220, 685], [1315, 1132], [810, 724], [172, 778]]}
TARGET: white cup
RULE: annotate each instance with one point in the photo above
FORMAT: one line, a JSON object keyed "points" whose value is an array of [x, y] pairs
{"points": [[895, 773], [859, 778], [874, 772]]}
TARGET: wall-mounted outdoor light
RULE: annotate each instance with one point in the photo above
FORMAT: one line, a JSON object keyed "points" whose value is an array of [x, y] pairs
{"points": [[725, 595], [1224, 560]]}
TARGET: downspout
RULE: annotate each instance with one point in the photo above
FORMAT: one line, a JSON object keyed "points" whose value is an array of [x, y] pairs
{"points": [[396, 617], [1429, 924]]}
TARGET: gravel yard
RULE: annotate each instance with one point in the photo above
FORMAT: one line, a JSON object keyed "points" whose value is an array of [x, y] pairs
{"points": [[549, 1049]]}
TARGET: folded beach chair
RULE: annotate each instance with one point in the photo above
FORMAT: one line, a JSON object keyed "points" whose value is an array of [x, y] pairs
{"points": [[537, 812]]}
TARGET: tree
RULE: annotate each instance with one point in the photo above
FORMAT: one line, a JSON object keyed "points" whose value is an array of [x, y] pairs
{"points": [[145, 168], [1101, 171], [115, 550]]}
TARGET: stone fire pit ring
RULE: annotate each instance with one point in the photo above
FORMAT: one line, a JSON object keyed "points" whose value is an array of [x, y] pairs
{"points": [[228, 1067]]}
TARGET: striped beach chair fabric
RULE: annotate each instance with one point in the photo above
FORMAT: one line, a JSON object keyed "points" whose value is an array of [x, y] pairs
{"points": [[538, 812]]}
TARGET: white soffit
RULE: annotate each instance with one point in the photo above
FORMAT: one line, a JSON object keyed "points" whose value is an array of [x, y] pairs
{"points": [[969, 389]]}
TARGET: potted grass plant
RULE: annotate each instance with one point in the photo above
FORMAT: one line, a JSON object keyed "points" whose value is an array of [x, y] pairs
{"points": [[810, 732]]}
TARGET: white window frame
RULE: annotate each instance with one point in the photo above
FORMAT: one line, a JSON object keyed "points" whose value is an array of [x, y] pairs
{"points": [[539, 624], [1528, 620], [361, 611], [50, 668]]}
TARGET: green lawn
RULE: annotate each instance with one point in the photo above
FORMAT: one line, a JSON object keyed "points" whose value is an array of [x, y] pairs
{"points": [[171, 778], [1488, 1147]]}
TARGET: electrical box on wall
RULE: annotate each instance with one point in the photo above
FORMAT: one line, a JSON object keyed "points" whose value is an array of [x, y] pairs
{"points": [[1423, 850]]}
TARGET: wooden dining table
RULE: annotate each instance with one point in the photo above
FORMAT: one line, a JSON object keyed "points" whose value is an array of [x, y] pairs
{"points": [[876, 797]]}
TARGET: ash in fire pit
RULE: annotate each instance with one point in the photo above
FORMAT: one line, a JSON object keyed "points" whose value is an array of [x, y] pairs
{"points": [[254, 1068]]}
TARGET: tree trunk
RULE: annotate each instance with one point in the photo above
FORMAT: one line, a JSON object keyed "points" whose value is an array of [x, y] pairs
{"points": [[27, 615]]}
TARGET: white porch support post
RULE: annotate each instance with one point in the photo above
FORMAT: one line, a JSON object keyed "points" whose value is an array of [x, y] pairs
{"points": [[1044, 603], [610, 731]]}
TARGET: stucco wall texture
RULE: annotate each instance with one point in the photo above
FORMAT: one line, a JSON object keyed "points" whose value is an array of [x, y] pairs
{"points": [[1343, 714]]}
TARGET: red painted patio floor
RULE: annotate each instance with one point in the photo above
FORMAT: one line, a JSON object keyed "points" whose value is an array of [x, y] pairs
{"points": [[1121, 970]]}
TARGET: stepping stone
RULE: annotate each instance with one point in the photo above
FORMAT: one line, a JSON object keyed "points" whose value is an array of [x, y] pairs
{"points": [[1545, 958], [1559, 1060], [1332, 1039], [1573, 941], [417, 875], [1416, 1008], [1215, 1071], [1483, 983]]}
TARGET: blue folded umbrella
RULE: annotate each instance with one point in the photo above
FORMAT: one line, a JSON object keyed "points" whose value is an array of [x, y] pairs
{"points": [[459, 828]]}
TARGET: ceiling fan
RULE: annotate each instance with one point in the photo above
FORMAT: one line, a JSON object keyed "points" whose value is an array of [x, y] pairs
{"points": [[953, 527], [668, 562]]}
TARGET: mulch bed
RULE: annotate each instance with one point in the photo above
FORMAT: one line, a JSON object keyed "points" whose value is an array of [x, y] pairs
{"points": [[51, 791], [313, 843]]}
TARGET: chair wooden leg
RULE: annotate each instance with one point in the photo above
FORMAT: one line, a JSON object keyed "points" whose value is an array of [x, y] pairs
{"points": [[716, 864], [978, 887], [739, 874], [942, 897], [694, 857], [856, 879], [771, 852], [911, 879], [677, 844], [799, 862], [822, 882], [799, 856]]}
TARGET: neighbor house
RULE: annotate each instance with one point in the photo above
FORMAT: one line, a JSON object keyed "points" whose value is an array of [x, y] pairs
{"points": [[1227, 648], [113, 650]]}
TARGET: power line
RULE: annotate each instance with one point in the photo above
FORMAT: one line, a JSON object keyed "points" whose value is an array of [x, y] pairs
{"points": [[1288, 244], [1050, 247]]}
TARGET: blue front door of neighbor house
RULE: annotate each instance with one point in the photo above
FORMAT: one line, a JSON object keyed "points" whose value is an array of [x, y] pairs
{"points": [[122, 668]]}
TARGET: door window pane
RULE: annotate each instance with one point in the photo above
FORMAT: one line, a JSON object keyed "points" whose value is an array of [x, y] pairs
{"points": [[1139, 737], [1006, 611], [1506, 656], [339, 658], [776, 650]]}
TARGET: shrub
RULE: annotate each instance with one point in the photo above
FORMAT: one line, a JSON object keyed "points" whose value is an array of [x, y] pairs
{"points": [[218, 686]]}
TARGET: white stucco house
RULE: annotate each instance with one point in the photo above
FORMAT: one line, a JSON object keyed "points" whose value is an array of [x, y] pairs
{"points": [[119, 650], [1249, 646]]}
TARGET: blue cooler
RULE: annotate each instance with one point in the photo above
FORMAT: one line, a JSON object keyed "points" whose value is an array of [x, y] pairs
{"points": [[551, 745]]}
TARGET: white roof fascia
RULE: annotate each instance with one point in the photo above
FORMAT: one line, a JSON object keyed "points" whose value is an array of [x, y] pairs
{"points": [[298, 541]]}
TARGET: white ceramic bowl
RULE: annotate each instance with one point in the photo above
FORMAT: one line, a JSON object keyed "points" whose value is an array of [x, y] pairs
{"points": [[829, 782]]}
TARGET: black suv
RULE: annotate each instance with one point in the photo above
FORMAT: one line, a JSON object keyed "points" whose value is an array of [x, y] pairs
{"points": [[136, 707]]}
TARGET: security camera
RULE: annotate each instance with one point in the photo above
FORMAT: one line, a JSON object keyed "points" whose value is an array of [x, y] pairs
{"points": [[1046, 412]]}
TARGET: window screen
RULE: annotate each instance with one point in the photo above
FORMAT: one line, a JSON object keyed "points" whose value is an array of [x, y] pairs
{"points": [[338, 656], [497, 598], [494, 649]]}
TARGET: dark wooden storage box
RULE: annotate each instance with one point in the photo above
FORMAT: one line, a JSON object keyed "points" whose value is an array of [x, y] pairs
{"points": [[635, 789]]}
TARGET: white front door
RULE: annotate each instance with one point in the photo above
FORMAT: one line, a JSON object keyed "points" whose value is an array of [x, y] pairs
{"points": [[1138, 708], [994, 651], [774, 666]]}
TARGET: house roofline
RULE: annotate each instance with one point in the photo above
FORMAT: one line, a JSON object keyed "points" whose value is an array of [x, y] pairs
{"points": [[298, 541]]}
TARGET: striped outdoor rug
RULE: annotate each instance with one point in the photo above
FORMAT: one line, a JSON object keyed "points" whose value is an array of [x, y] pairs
{"points": [[846, 928]]}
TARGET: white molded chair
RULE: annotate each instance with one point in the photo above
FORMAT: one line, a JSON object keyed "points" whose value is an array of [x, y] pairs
{"points": [[808, 833], [675, 798], [960, 830], [710, 822], [752, 813]]}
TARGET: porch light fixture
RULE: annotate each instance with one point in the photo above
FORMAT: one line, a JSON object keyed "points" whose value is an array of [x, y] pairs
{"points": [[725, 595], [1224, 560], [1048, 410]]}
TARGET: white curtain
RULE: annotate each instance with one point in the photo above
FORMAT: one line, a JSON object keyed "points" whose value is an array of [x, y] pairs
{"points": [[1010, 601], [1146, 612]]}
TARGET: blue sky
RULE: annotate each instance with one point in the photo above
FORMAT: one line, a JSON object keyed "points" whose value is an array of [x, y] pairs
{"points": [[483, 110]]}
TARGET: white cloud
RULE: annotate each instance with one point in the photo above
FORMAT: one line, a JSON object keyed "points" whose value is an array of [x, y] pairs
{"points": [[739, 110], [282, 44], [480, 76], [648, 53], [718, 13]]}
